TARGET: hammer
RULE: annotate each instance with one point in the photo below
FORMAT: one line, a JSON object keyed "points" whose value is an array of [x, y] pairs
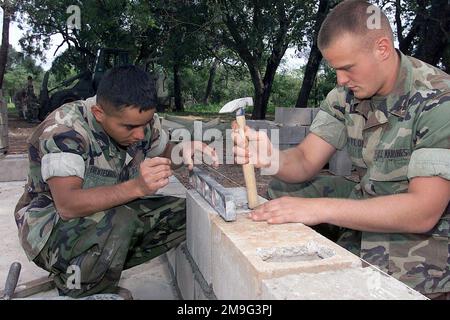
{"points": [[239, 105]]}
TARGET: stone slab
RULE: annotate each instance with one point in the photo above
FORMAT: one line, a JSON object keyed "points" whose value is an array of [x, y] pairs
{"points": [[346, 284]]}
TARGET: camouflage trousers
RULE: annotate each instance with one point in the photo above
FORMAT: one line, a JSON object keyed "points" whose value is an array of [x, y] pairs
{"points": [[99, 247], [322, 187]]}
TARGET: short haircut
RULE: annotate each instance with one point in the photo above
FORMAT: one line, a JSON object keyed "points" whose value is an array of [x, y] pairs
{"points": [[352, 16], [127, 86]]}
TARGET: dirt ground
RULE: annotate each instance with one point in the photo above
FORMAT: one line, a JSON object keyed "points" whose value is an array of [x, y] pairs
{"points": [[227, 175], [18, 133]]}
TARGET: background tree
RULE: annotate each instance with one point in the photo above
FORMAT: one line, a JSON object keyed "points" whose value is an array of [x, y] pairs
{"points": [[260, 31], [8, 8], [315, 56], [422, 28]]}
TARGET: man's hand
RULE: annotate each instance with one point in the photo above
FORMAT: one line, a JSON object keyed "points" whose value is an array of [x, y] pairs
{"points": [[154, 174], [416, 211], [288, 209], [252, 147], [189, 149]]}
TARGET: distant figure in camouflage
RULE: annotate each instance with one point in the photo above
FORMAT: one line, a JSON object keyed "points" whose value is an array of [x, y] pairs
{"points": [[31, 102], [27, 103], [391, 113], [90, 208], [19, 102]]}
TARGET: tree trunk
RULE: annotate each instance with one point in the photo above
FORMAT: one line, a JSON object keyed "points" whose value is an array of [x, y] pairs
{"points": [[271, 69], [315, 57], [417, 25], [5, 42], [177, 88], [434, 39], [258, 85], [209, 87]]}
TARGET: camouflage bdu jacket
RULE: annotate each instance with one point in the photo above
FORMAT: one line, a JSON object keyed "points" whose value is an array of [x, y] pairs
{"points": [[391, 140], [70, 142]]}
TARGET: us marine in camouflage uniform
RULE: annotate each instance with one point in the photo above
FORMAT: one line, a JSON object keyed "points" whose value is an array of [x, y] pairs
{"points": [[26, 102], [31, 102], [91, 203], [391, 113]]}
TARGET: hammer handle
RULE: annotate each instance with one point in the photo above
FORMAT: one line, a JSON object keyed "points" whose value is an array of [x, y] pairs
{"points": [[249, 172], [11, 280]]}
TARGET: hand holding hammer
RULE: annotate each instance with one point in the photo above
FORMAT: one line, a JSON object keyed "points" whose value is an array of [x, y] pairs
{"points": [[248, 169]]}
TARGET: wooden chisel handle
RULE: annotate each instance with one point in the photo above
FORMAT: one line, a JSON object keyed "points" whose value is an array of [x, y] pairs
{"points": [[249, 171]]}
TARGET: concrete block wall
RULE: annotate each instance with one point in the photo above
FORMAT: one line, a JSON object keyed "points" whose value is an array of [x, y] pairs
{"points": [[295, 116], [249, 260], [189, 281], [293, 125], [198, 225]]}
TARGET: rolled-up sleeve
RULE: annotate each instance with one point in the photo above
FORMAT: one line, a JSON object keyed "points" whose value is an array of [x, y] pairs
{"points": [[62, 165], [429, 162], [431, 145], [63, 153], [329, 125]]}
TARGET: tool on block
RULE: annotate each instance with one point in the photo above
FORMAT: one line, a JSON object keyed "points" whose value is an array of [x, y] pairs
{"points": [[238, 106]]}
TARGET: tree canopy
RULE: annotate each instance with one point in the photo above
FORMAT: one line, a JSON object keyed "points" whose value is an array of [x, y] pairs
{"points": [[214, 50]]}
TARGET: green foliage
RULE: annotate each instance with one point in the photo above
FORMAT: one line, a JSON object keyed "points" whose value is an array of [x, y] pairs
{"points": [[284, 90], [325, 82], [205, 108], [18, 68]]}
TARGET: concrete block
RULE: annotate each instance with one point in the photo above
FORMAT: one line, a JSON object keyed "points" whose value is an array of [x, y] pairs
{"points": [[314, 112], [340, 163], [293, 134], [265, 125], [285, 146], [294, 116], [14, 168], [184, 274], [198, 232], [262, 124], [171, 259], [199, 294], [245, 252], [346, 284]]}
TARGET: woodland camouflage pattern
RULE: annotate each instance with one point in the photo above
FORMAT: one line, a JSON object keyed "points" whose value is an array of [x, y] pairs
{"points": [[134, 232], [391, 140]]}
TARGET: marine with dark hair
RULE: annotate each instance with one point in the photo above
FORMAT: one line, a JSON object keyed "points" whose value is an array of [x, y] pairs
{"points": [[391, 113], [90, 203]]}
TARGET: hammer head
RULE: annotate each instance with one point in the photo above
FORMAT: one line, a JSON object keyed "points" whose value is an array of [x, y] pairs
{"points": [[237, 105]]}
